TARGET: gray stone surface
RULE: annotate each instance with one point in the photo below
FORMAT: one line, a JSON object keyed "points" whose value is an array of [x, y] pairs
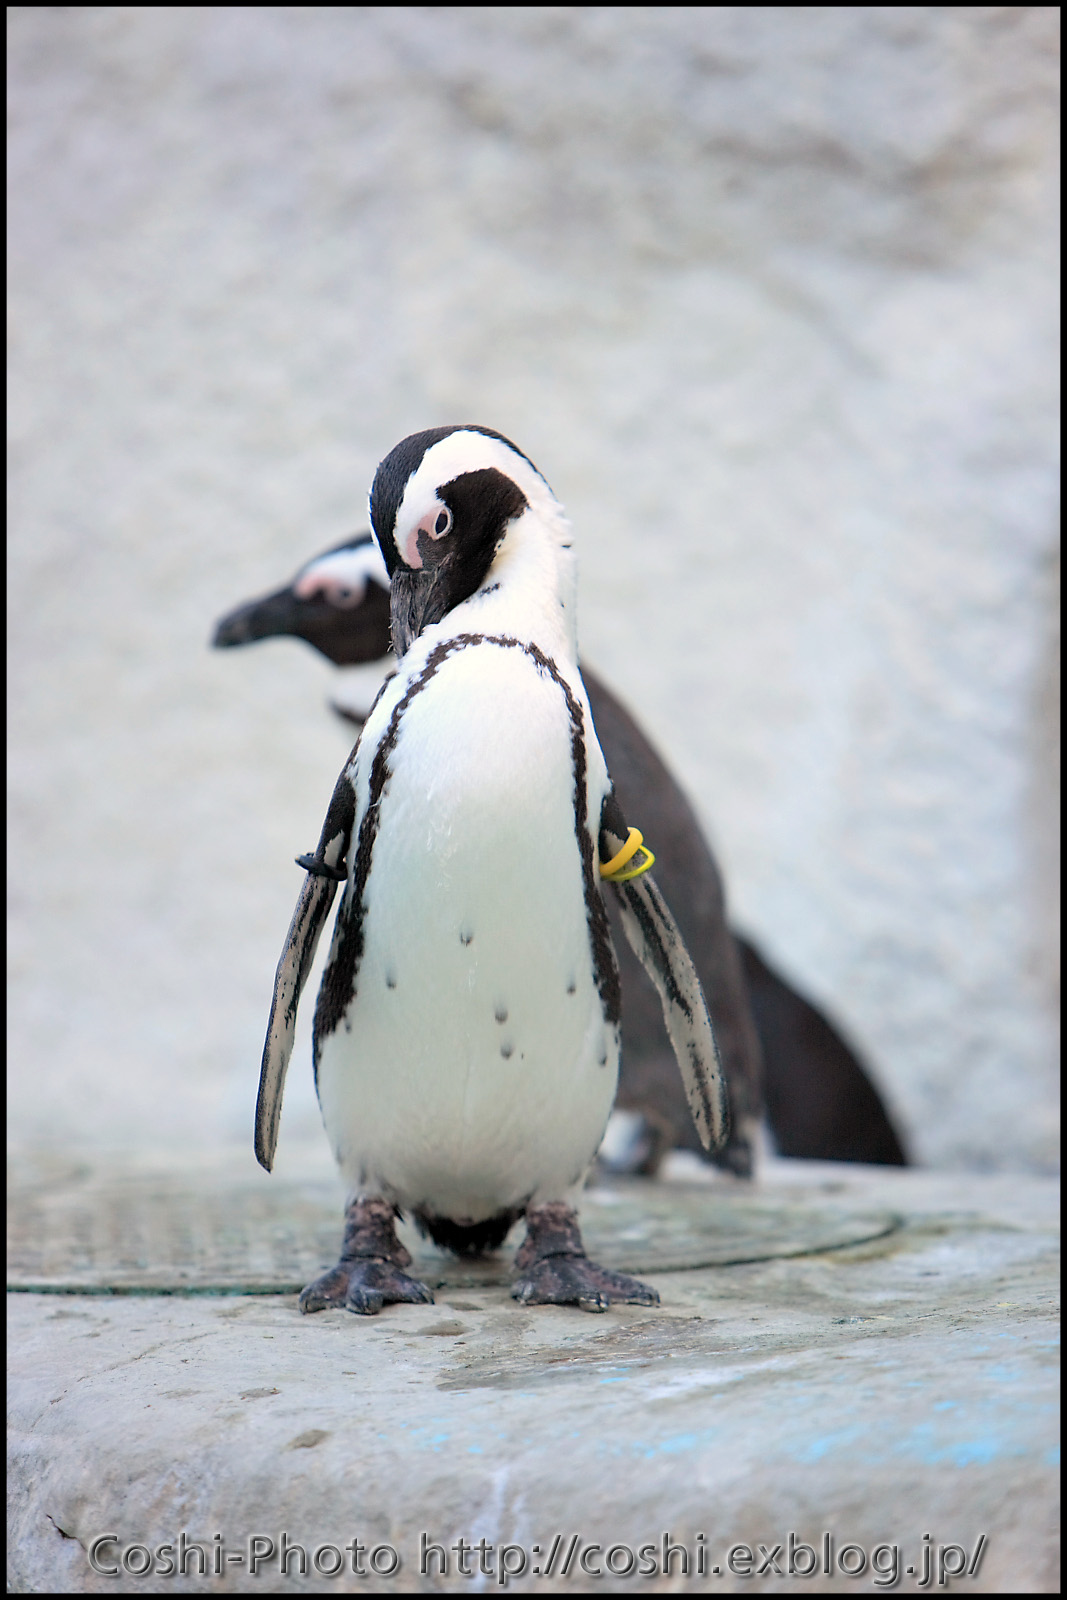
{"points": [[155, 1224], [902, 1388], [770, 293]]}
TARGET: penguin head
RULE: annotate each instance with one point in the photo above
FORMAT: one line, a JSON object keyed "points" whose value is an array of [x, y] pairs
{"points": [[338, 602], [441, 507]]}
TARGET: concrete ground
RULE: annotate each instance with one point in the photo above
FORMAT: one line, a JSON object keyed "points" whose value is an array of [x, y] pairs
{"points": [[868, 1362]]}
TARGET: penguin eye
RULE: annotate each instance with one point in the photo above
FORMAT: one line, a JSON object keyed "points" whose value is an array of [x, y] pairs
{"points": [[347, 595], [443, 523]]}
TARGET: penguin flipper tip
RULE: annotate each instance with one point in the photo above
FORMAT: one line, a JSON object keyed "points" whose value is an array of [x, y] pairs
{"points": [[266, 1143], [656, 941]]}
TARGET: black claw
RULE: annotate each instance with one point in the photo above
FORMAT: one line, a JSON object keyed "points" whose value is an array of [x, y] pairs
{"points": [[329, 1290], [365, 1302]]}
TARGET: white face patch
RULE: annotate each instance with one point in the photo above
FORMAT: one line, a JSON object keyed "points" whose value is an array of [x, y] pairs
{"points": [[341, 577], [435, 523]]}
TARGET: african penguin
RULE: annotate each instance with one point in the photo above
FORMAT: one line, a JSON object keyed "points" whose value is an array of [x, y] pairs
{"points": [[820, 1102], [466, 1037]]}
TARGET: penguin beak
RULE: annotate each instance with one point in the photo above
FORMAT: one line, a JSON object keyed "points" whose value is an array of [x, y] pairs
{"points": [[417, 598], [259, 619]]}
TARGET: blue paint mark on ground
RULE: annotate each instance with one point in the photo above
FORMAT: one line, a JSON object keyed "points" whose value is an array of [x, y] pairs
{"points": [[827, 1442], [674, 1444], [678, 1443]]}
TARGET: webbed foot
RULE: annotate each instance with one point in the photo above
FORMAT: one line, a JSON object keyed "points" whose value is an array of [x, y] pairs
{"points": [[369, 1273], [555, 1270]]}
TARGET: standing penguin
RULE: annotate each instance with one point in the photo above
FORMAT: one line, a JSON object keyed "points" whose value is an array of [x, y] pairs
{"points": [[466, 1038], [819, 1099]]}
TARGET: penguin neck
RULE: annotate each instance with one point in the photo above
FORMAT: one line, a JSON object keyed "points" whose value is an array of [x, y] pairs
{"points": [[529, 591]]}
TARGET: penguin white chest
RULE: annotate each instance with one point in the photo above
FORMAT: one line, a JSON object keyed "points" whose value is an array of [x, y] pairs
{"points": [[467, 1064]]}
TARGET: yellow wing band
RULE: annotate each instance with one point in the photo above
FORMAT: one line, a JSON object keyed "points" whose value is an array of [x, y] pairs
{"points": [[618, 869]]}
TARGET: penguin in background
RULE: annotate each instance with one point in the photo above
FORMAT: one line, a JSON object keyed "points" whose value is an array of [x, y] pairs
{"points": [[819, 1102], [466, 1033]]}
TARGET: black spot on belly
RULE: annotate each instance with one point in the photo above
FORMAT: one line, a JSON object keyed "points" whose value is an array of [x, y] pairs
{"points": [[604, 1059], [466, 936], [572, 987], [507, 1051], [501, 1013], [390, 980]]}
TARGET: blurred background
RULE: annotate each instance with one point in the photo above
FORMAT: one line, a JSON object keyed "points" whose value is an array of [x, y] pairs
{"points": [[770, 295]]}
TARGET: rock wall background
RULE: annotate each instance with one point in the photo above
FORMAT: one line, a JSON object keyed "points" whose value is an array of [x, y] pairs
{"points": [[769, 294]]}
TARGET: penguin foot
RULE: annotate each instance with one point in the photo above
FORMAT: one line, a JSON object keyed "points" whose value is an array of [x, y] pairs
{"points": [[555, 1270], [364, 1287], [373, 1284], [368, 1275], [577, 1281]]}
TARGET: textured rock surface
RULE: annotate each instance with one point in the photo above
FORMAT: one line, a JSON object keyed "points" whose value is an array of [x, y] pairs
{"points": [[768, 293], [907, 1387], [131, 1224]]}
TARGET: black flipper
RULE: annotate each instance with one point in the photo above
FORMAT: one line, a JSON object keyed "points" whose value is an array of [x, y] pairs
{"points": [[324, 871], [657, 943], [821, 1103]]}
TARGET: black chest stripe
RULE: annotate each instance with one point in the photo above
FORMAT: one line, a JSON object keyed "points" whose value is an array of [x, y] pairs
{"points": [[339, 980]]}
